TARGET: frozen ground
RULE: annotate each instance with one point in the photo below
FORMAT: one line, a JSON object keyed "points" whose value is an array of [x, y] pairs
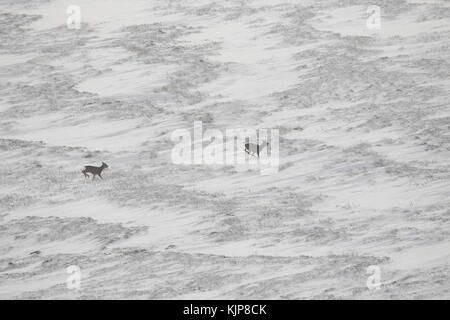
{"points": [[364, 173]]}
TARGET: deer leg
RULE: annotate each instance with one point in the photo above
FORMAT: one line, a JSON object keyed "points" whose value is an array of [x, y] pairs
{"points": [[84, 172], [249, 153], [93, 176], [100, 175]]}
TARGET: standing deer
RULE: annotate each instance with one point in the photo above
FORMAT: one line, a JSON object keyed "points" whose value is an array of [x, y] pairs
{"points": [[96, 171], [254, 149]]}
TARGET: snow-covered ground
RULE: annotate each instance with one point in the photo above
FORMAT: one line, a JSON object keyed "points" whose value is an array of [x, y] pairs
{"points": [[364, 123]]}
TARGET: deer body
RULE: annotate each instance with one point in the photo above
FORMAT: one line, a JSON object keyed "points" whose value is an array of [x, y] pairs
{"points": [[96, 171], [254, 149]]}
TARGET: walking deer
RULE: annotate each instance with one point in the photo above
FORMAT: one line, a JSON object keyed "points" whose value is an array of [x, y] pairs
{"points": [[254, 149], [96, 171]]}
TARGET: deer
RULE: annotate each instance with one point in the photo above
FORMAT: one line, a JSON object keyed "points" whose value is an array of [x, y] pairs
{"points": [[254, 149], [96, 171]]}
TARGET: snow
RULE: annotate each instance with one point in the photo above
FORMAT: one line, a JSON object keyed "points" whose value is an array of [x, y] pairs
{"points": [[364, 147]]}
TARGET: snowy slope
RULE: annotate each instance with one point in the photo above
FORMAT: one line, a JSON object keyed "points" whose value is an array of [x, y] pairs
{"points": [[364, 176]]}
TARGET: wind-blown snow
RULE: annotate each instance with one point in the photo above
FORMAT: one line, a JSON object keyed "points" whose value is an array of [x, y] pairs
{"points": [[364, 175]]}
